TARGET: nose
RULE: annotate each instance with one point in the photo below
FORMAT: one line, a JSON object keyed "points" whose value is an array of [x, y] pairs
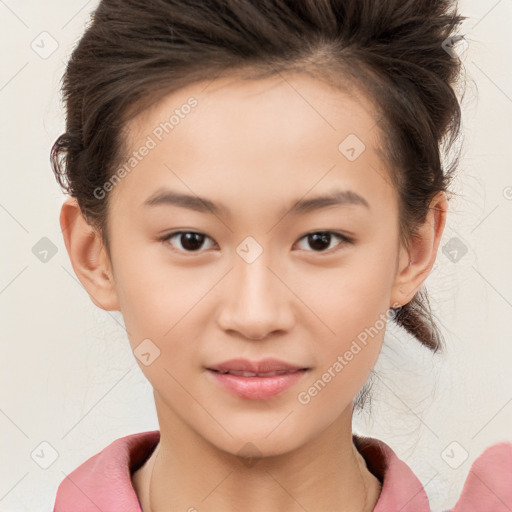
{"points": [[257, 300]]}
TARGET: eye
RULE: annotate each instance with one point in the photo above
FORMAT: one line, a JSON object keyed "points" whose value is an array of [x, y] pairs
{"points": [[190, 241], [321, 240], [193, 241]]}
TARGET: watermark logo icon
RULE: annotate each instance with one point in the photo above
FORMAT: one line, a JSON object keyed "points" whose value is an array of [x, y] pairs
{"points": [[44, 45], [351, 147], [146, 352], [249, 454], [454, 455], [455, 249], [455, 46], [44, 250], [249, 249], [44, 455]]}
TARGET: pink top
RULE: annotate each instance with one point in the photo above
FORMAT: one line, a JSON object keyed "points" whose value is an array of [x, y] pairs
{"points": [[103, 482]]}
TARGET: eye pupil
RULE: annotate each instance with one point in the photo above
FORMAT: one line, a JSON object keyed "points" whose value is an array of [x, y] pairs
{"points": [[192, 241], [318, 240]]}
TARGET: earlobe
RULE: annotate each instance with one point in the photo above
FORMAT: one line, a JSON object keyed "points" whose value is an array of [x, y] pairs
{"points": [[416, 263], [88, 256]]}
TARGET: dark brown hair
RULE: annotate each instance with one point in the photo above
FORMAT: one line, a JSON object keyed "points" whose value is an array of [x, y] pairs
{"points": [[134, 52]]}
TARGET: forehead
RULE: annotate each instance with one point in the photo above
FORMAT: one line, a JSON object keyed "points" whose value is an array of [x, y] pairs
{"points": [[296, 102], [289, 130]]}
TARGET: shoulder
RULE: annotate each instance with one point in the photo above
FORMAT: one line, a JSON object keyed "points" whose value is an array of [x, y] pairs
{"points": [[401, 489], [488, 485], [104, 481]]}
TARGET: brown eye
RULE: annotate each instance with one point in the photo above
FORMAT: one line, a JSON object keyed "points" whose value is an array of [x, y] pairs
{"points": [[321, 241], [188, 241]]}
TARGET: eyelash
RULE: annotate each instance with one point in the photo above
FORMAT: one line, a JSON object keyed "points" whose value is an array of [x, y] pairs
{"points": [[344, 240]]}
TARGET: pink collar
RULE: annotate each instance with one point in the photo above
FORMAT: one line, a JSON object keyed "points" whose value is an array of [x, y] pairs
{"points": [[103, 482]]}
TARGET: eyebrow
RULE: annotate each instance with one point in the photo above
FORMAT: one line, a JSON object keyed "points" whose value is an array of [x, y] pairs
{"points": [[204, 205]]}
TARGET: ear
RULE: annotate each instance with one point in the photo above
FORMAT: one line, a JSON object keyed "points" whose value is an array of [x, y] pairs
{"points": [[88, 256], [416, 263]]}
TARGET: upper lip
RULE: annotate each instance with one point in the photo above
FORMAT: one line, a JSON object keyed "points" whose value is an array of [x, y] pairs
{"points": [[262, 366]]}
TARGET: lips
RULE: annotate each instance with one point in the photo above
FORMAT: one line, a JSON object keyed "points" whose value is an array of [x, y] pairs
{"points": [[265, 368], [254, 374], [258, 380]]}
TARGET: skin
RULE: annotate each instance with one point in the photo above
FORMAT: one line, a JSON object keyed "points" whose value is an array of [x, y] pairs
{"points": [[256, 147]]}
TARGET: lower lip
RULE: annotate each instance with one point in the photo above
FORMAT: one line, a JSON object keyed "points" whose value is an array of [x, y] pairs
{"points": [[257, 388]]}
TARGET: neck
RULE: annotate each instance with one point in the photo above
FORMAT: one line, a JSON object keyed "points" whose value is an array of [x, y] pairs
{"points": [[186, 472]]}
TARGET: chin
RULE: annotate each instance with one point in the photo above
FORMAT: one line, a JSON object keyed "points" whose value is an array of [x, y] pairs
{"points": [[254, 443]]}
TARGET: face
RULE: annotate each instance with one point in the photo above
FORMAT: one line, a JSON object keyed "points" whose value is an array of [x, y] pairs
{"points": [[252, 275]]}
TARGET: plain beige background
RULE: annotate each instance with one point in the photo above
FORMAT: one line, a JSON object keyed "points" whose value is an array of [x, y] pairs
{"points": [[69, 383]]}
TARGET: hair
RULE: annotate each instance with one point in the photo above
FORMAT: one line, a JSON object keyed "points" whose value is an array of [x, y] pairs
{"points": [[135, 52]]}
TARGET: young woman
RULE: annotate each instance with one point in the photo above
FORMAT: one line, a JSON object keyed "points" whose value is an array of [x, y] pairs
{"points": [[258, 187]]}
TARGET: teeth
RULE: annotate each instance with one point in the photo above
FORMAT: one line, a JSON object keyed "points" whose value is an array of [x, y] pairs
{"points": [[272, 374], [252, 374], [242, 374]]}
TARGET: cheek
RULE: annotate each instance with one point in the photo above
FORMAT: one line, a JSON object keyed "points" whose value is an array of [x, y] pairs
{"points": [[349, 349], [163, 304], [358, 325], [352, 302], [351, 298], [153, 294]]}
